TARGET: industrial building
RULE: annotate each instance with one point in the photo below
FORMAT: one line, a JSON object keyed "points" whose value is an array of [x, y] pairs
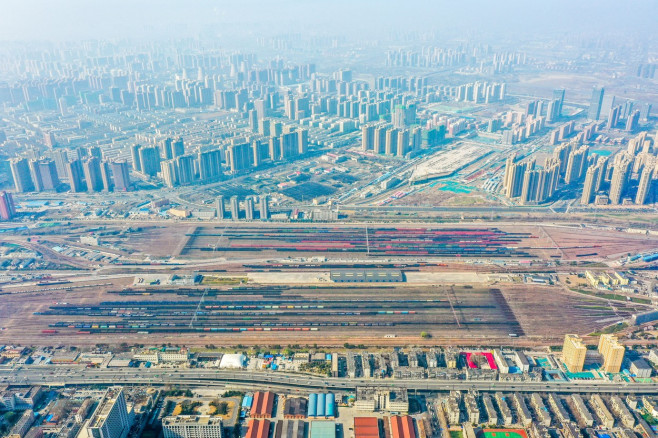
{"points": [[366, 427], [322, 429], [258, 428], [295, 408], [290, 429], [263, 405], [322, 405], [402, 427]]}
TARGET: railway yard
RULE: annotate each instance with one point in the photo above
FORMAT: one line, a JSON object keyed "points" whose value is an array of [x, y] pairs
{"points": [[275, 283]]}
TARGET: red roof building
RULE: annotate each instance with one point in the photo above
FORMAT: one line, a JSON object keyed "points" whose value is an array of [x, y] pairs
{"points": [[402, 427], [258, 429], [366, 427], [263, 405]]}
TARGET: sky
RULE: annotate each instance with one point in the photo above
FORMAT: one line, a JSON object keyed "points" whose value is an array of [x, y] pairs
{"points": [[63, 20]]}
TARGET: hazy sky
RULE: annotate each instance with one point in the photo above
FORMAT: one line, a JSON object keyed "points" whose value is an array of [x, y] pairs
{"points": [[85, 19]]}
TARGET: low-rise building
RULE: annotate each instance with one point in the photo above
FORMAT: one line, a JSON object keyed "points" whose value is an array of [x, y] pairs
{"points": [[605, 417], [192, 426], [541, 412], [581, 410], [619, 407], [640, 368], [503, 407]]}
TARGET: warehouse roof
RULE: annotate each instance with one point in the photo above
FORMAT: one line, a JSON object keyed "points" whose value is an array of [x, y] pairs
{"points": [[258, 429], [323, 429], [295, 406], [366, 275], [263, 404], [402, 427]]}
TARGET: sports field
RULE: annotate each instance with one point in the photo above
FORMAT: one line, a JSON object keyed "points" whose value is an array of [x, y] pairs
{"points": [[504, 433]]}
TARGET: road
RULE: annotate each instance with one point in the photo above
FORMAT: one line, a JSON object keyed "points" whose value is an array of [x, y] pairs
{"points": [[76, 375]]}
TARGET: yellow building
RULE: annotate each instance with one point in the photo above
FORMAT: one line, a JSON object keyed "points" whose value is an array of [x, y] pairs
{"points": [[573, 353], [612, 352], [593, 280]]}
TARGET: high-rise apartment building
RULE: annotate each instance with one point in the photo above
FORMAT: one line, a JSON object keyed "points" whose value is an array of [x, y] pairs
{"points": [[612, 352], [595, 104], [620, 176], [7, 206], [20, 171], [111, 419], [644, 186], [573, 353], [121, 176]]}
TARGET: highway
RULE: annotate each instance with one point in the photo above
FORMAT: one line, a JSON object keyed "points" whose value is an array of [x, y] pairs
{"points": [[77, 375]]}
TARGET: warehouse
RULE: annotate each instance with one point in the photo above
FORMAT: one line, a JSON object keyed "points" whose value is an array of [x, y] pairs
{"points": [[366, 427], [402, 427], [258, 429], [322, 429], [295, 408], [367, 276], [640, 368], [263, 405], [290, 429], [321, 406]]}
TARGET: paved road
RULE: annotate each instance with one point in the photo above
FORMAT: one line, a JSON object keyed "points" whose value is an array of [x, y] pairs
{"points": [[75, 375]]}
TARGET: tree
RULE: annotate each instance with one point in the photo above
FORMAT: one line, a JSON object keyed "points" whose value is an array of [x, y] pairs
{"points": [[425, 335]]}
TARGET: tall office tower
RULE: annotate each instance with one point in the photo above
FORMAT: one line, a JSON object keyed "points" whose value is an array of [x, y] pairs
{"points": [[612, 352], [391, 147], [249, 208], [106, 176], [167, 149], [20, 171], [120, 176], [134, 153], [7, 206], [576, 165], [620, 175], [185, 166], [192, 426], [380, 139], [178, 147], [91, 168], [111, 418], [589, 188], [76, 176], [95, 151], [239, 156], [48, 175], [644, 187], [210, 166], [220, 211], [264, 207], [573, 353], [253, 120], [632, 121], [613, 117], [558, 95], [595, 104], [149, 159], [302, 139], [235, 208], [169, 172], [403, 143], [367, 137]]}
